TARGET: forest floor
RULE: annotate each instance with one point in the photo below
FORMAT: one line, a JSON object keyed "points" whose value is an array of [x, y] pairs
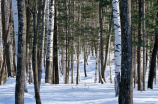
{"points": [[86, 92]]}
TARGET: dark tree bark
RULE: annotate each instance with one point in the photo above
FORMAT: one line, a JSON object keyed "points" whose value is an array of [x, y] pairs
{"points": [[55, 75], [34, 56], [153, 59], [126, 95], [41, 45], [139, 50], [20, 76], [101, 41]]}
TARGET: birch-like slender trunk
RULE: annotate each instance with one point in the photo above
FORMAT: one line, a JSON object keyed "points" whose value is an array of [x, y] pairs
{"points": [[49, 53], [117, 27]]}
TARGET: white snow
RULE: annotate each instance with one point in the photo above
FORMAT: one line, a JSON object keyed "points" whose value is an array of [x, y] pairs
{"points": [[86, 92]]}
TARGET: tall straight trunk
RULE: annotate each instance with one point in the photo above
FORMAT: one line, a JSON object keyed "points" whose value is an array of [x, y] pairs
{"points": [[139, 50], [55, 79], [34, 56], [101, 40], [153, 58], [110, 67], [41, 44], [95, 79], [144, 44], [117, 27], [78, 46], [98, 52], [27, 36], [20, 76], [85, 60], [49, 56], [126, 94], [72, 47], [134, 61], [66, 36]]}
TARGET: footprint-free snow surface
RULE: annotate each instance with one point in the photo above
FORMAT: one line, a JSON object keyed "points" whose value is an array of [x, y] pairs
{"points": [[86, 92]]}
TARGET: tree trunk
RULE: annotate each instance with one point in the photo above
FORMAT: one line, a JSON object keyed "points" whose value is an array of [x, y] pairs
{"points": [[153, 58], [20, 76], [126, 94], [49, 56], [139, 50], [144, 44], [55, 79], [34, 56], [117, 27], [101, 40]]}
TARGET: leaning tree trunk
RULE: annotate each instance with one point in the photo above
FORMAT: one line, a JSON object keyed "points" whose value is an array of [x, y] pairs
{"points": [[153, 58], [126, 94], [20, 76]]}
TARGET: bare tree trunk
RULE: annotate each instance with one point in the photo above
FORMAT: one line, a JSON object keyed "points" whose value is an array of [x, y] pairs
{"points": [[55, 79], [139, 50], [126, 88], [144, 44], [20, 76], [101, 40], [34, 56], [153, 58]]}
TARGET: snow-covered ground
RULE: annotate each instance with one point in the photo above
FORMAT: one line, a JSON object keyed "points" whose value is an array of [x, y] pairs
{"points": [[86, 92]]}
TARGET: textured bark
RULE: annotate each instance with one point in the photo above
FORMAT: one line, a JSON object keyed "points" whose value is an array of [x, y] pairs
{"points": [[101, 40], [30, 71], [72, 48], [14, 59], [139, 50], [66, 38], [34, 56], [144, 44], [27, 36], [2, 69], [41, 44], [5, 30], [126, 94], [78, 46], [20, 76], [55, 79], [85, 60], [117, 27], [49, 56]]}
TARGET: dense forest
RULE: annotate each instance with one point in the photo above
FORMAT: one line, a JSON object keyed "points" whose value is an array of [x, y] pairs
{"points": [[55, 32]]}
